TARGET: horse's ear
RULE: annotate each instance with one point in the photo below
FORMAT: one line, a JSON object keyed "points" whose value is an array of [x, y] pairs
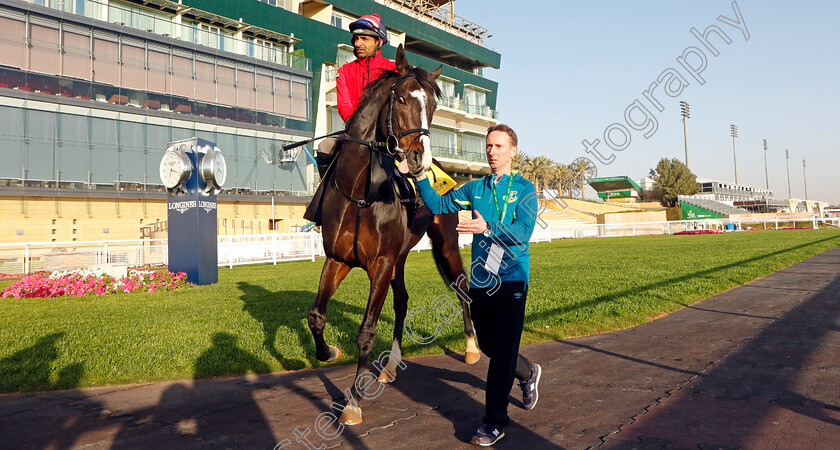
{"points": [[436, 73], [402, 63]]}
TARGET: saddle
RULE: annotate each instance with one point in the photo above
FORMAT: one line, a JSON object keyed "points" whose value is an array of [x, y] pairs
{"points": [[385, 183]]}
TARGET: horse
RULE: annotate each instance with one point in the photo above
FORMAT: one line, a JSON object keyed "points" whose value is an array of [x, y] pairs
{"points": [[370, 228]]}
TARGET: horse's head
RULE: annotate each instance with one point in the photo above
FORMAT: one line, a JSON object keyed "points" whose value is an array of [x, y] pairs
{"points": [[409, 114]]}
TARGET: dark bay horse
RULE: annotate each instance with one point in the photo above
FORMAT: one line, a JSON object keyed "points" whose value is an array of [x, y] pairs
{"points": [[393, 117]]}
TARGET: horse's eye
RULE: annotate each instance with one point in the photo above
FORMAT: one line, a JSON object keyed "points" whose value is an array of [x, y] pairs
{"points": [[401, 100]]}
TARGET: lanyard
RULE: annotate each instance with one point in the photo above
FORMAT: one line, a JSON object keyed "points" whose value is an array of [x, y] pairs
{"points": [[502, 211]]}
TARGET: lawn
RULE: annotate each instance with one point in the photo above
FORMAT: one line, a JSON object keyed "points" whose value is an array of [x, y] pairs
{"points": [[254, 319]]}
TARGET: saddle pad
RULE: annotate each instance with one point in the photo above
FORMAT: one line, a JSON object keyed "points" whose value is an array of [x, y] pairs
{"points": [[440, 180]]}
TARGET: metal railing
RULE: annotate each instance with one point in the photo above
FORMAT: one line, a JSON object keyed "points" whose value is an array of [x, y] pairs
{"points": [[150, 20], [440, 16], [457, 103], [454, 153], [273, 248], [263, 248], [59, 256]]}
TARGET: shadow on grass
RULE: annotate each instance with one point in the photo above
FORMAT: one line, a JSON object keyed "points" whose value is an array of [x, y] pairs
{"points": [[30, 369], [661, 284], [288, 309], [224, 357]]}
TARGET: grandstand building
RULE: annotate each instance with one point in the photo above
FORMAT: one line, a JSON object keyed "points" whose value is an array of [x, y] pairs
{"points": [[93, 90], [750, 198]]}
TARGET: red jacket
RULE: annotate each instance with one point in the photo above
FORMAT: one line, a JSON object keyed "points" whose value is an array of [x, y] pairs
{"points": [[354, 76]]}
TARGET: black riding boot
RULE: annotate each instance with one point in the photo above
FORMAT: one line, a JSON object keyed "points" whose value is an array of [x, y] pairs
{"points": [[323, 160]]}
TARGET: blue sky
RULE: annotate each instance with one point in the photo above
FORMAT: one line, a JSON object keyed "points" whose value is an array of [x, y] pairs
{"points": [[571, 69]]}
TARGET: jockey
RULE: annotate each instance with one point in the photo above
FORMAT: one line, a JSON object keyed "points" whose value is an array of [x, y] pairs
{"points": [[368, 36]]}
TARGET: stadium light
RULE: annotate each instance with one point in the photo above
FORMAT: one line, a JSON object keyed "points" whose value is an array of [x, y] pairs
{"points": [[766, 176], [805, 178], [734, 130], [787, 161], [685, 108]]}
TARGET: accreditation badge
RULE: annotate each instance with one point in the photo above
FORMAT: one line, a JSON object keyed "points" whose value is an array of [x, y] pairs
{"points": [[494, 259]]}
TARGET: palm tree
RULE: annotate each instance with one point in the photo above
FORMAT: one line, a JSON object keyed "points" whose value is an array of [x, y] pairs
{"points": [[562, 178], [519, 161], [540, 169], [582, 170]]}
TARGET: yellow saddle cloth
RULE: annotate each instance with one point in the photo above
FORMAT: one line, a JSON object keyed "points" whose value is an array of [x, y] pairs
{"points": [[440, 180]]}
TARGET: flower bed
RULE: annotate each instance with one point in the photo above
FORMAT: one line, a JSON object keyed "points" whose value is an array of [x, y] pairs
{"points": [[83, 282], [698, 232]]}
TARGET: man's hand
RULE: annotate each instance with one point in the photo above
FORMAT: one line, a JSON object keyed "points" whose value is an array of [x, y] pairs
{"points": [[472, 226]]}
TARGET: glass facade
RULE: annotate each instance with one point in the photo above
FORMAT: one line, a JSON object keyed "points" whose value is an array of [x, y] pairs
{"points": [[68, 147], [87, 107], [165, 24]]}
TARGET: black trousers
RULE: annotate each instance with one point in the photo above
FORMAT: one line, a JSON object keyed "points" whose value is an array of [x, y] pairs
{"points": [[498, 314]]}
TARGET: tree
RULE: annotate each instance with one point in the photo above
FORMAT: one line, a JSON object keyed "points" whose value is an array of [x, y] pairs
{"points": [[562, 179], [674, 179], [518, 161], [540, 169], [582, 170]]}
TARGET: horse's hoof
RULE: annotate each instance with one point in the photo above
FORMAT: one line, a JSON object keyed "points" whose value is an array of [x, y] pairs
{"points": [[388, 375], [352, 415], [472, 357], [473, 354], [335, 353]]}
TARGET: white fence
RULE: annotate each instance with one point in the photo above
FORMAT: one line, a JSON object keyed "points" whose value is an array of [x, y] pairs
{"points": [[263, 248], [274, 248]]}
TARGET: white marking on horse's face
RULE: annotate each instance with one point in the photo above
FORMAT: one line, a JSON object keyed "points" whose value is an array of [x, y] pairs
{"points": [[425, 142]]}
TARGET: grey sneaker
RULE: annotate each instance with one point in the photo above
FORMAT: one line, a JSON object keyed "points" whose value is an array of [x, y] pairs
{"points": [[530, 393], [487, 435]]}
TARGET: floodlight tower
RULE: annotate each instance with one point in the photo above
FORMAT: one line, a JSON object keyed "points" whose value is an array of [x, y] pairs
{"points": [[787, 162], [685, 109], [734, 131], [805, 178], [766, 176]]}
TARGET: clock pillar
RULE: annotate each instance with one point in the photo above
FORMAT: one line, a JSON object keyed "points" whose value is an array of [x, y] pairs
{"points": [[192, 219]]}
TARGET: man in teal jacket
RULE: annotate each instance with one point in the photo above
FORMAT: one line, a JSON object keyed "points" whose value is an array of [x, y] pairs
{"points": [[505, 208]]}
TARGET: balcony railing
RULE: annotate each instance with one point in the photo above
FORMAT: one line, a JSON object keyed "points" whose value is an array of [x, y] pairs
{"points": [[440, 16], [454, 153], [457, 103], [138, 17], [331, 73]]}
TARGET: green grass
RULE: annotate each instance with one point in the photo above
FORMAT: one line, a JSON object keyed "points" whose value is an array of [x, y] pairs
{"points": [[254, 319]]}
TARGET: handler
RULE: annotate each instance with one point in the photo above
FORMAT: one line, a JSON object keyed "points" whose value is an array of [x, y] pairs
{"points": [[368, 36], [505, 206]]}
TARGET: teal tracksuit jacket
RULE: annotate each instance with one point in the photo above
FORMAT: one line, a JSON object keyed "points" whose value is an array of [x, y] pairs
{"points": [[511, 233]]}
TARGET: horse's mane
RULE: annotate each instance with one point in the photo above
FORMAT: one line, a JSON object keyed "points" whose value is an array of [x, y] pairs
{"points": [[373, 96]]}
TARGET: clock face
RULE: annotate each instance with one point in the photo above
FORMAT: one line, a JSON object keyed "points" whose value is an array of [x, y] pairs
{"points": [[174, 168], [214, 169], [219, 169]]}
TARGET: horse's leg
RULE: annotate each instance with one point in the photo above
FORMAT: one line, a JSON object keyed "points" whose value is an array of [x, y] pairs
{"points": [[381, 274], [331, 276], [447, 256], [389, 371]]}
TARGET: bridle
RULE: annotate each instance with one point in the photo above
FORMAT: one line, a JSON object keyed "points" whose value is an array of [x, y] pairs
{"points": [[390, 146]]}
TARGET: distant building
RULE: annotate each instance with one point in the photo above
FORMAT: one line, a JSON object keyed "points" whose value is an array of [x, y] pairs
{"points": [[91, 91], [620, 189], [750, 198]]}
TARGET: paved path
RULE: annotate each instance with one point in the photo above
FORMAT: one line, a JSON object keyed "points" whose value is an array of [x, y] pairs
{"points": [[754, 367]]}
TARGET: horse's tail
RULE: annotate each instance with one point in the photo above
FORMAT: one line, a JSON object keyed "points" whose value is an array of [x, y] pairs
{"points": [[442, 265], [445, 248]]}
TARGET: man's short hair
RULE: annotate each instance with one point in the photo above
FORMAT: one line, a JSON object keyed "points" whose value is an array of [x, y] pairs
{"points": [[505, 129]]}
